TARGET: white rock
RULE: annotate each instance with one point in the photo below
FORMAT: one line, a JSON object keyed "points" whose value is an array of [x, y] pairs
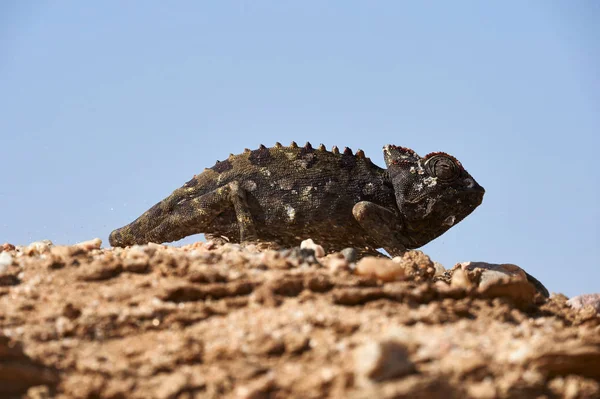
{"points": [[38, 247], [310, 244], [6, 260]]}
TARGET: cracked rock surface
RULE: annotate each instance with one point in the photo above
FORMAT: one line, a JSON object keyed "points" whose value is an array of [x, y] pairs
{"points": [[211, 321]]}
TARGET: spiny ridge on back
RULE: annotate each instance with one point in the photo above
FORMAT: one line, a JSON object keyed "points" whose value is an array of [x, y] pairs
{"points": [[262, 153]]}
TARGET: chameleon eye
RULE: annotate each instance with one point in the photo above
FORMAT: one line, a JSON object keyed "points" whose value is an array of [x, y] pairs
{"points": [[443, 167]]}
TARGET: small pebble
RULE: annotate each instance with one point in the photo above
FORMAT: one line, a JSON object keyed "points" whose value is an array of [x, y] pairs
{"points": [[439, 269], [351, 254], [382, 360], [38, 247], [88, 245], [380, 268], [336, 265], [7, 247], [581, 301], [460, 279], [310, 244], [6, 260]]}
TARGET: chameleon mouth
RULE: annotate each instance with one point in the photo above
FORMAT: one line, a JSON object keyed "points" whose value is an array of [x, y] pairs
{"points": [[475, 192], [121, 237], [449, 221]]}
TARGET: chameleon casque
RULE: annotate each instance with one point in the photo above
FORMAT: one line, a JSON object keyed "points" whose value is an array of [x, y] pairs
{"points": [[339, 199]]}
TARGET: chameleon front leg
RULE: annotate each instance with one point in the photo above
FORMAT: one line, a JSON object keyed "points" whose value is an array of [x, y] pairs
{"points": [[381, 225]]}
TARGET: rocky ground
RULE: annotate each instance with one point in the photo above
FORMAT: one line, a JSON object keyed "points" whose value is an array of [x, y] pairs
{"points": [[211, 321]]}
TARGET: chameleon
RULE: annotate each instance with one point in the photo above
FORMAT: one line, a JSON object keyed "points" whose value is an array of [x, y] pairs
{"points": [[340, 199]]}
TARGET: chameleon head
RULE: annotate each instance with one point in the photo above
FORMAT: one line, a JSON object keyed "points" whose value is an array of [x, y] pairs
{"points": [[433, 192]]}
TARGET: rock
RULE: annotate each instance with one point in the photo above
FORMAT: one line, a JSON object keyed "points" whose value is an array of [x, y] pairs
{"points": [[19, 372], [88, 245], [460, 279], [582, 301], [417, 266], [196, 322], [9, 279], [7, 247], [380, 268], [382, 360], [185, 292], [337, 263], [136, 261], [495, 280], [522, 293], [573, 357], [298, 256], [6, 260], [172, 385], [101, 270], [38, 247], [439, 269], [310, 244], [485, 274], [257, 389], [351, 254], [538, 285]]}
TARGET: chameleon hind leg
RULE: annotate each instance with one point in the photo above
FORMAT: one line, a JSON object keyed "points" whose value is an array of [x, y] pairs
{"points": [[181, 215], [224, 197], [197, 215]]}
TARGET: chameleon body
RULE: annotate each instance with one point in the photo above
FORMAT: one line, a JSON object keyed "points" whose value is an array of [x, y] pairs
{"points": [[339, 199]]}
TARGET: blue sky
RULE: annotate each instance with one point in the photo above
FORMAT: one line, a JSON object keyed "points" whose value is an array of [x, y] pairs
{"points": [[106, 107]]}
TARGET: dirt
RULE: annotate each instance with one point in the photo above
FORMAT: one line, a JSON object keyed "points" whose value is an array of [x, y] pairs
{"points": [[210, 321]]}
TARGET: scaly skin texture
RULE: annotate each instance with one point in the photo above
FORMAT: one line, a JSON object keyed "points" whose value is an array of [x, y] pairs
{"points": [[287, 194]]}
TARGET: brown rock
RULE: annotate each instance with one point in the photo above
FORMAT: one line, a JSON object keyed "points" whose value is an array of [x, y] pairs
{"points": [[380, 268], [88, 245], [582, 301], [484, 274], [460, 279], [18, 372], [571, 358], [417, 266], [207, 321], [136, 262], [520, 292], [7, 247], [38, 247], [382, 360], [101, 269], [495, 280]]}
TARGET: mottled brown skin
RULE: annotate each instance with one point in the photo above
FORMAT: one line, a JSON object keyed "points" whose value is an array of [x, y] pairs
{"points": [[287, 194]]}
